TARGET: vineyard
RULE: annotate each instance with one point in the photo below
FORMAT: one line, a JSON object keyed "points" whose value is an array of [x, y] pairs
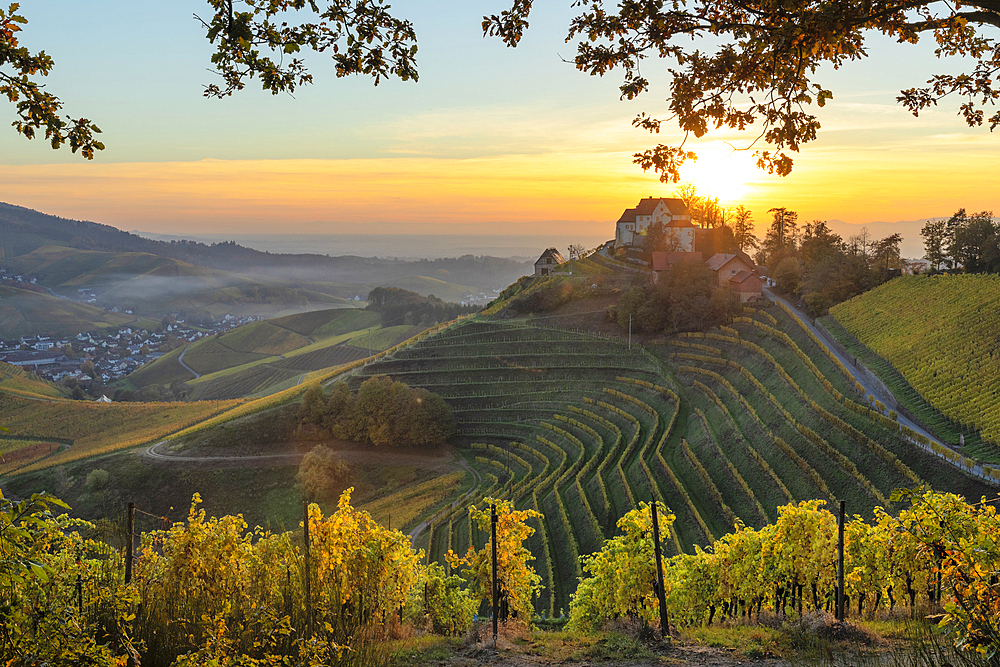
{"points": [[269, 356], [941, 333], [743, 436], [16, 380], [211, 591], [86, 429], [722, 427]]}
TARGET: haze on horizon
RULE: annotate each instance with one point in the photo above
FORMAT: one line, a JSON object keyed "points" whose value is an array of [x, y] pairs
{"points": [[490, 140]]}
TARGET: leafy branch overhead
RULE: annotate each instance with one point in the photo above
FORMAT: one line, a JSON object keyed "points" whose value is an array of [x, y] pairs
{"points": [[361, 35], [761, 75], [37, 109]]}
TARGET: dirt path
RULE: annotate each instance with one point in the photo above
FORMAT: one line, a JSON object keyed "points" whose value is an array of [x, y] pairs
{"points": [[444, 460], [475, 487], [548, 653]]}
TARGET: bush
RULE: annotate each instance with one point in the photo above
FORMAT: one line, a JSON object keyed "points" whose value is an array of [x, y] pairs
{"points": [[322, 474], [96, 480]]}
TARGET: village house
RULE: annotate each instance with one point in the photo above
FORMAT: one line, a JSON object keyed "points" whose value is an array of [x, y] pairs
{"points": [[664, 261], [634, 223], [725, 266], [737, 272], [547, 263]]}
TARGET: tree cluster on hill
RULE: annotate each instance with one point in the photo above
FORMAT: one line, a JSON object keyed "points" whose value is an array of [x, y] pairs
{"points": [[817, 265], [686, 298], [968, 242], [400, 306], [382, 413]]}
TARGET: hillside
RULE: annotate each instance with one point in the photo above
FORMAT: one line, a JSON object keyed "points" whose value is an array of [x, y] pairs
{"points": [[25, 313], [575, 421], [16, 380], [264, 357], [940, 334], [720, 426], [73, 430], [26, 232]]}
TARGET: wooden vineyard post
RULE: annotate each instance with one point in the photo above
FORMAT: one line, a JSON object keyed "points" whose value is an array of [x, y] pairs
{"points": [[660, 593], [79, 587], [493, 531], [840, 561], [129, 532], [305, 526]]}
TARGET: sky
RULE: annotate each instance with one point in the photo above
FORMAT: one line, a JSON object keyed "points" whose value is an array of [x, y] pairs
{"points": [[491, 140]]}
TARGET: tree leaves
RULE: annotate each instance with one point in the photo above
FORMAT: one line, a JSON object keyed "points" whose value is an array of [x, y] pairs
{"points": [[38, 109], [760, 76], [361, 35]]}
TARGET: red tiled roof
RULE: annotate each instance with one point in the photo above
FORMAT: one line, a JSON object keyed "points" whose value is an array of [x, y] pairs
{"points": [[662, 261], [741, 276], [677, 207], [628, 215], [718, 260], [648, 204]]}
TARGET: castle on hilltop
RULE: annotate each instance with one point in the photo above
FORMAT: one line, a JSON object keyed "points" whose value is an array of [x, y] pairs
{"points": [[631, 228]]}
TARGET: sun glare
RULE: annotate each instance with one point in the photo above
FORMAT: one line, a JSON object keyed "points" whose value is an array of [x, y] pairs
{"points": [[721, 172]]}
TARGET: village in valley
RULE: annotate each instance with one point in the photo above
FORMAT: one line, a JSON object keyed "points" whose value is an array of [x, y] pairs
{"points": [[101, 357]]}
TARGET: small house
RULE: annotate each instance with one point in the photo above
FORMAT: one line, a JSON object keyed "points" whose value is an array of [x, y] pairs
{"points": [[747, 285], [664, 261], [725, 266], [547, 263]]}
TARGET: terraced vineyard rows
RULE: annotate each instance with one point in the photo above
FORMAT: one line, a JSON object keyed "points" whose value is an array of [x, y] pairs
{"points": [[942, 335], [723, 428]]}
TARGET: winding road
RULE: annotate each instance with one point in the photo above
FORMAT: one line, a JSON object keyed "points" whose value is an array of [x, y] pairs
{"points": [[878, 391], [180, 360]]}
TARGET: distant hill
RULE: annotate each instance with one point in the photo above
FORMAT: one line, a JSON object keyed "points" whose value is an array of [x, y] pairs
{"points": [[24, 313], [24, 231]]}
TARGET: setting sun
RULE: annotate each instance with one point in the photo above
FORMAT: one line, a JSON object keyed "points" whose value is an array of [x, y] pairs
{"points": [[722, 172]]}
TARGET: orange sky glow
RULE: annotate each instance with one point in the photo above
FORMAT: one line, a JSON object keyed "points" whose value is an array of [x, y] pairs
{"points": [[569, 192], [535, 147]]}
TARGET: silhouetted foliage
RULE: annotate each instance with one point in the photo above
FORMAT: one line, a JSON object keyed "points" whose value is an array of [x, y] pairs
{"points": [[400, 306], [969, 242], [685, 299], [815, 264]]}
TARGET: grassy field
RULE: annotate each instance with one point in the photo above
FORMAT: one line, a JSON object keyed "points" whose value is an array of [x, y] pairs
{"points": [[325, 323], [426, 286], [942, 333]]}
